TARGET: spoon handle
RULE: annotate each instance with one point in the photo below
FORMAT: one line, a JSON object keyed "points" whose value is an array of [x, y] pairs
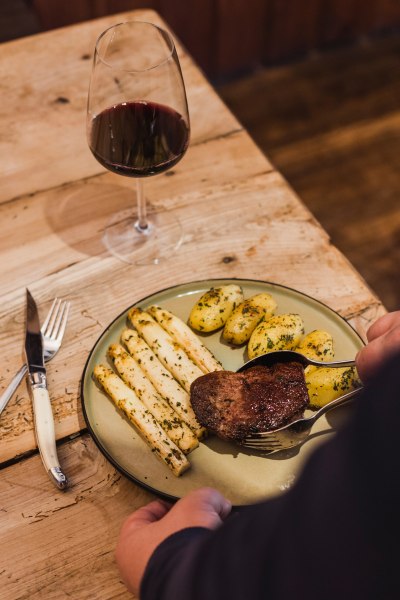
{"points": [[335, 364]]}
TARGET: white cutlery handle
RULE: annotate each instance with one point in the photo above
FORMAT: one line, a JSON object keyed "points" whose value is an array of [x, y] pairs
{"points": [[12, 387], [45, 435]]}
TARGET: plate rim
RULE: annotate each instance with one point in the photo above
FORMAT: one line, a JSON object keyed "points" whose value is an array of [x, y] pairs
{"points": [[98, 443]]}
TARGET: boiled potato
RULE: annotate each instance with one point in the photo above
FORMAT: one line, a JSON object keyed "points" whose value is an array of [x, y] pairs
{"points": [[282, 332], [317, 345], [245, 318], [326, 384], [214, 307]]}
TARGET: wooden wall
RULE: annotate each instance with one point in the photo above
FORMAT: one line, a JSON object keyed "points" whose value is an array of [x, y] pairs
{"points": [[230, 36]]}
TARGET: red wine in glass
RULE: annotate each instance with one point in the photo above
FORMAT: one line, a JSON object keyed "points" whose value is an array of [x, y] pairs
{"points": [[138, 139], [138, 126]]}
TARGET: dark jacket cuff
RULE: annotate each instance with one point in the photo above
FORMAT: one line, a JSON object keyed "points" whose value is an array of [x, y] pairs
{"points": [[165, 559]]}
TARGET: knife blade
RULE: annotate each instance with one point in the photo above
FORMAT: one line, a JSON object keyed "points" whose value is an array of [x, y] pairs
{"points": [[42, 411]]}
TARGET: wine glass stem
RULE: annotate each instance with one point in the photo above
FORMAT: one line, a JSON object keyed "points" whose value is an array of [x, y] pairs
{"points": [[142, 222]]}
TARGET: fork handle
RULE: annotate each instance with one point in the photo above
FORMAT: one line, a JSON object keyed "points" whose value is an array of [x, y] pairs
{"points": [[12, 387], [335, 403]]}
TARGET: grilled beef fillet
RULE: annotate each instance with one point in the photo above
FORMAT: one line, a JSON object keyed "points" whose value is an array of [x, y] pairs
{"points": [[233, 405]]}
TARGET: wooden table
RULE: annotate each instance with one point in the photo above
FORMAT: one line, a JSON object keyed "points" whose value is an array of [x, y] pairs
{"points": [[241, 219]]}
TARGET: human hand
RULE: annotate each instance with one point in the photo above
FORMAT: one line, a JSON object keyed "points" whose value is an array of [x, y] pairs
{"points": [[148, 526], [383, 341]]}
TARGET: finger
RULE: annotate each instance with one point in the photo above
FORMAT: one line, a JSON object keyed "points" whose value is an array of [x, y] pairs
{"points": [[366, 358], [383, 325], [207, 505], [214, 500], [371, 358], [152, 512]]}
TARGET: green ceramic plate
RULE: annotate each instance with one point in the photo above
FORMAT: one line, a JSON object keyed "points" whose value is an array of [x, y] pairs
{"points": [[242, 476]]}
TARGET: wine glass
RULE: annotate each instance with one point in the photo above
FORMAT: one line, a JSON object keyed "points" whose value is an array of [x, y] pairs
{"points": [[138, 126]]}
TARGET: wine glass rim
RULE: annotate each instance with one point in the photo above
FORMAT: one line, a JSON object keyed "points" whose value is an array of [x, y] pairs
{"points": [[163, 31]]}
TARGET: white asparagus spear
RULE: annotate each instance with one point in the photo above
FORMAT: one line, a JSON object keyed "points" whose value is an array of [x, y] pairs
{"points": [[142, 419], [130, 372], [174, 359], [162, 379], [186, 338]]}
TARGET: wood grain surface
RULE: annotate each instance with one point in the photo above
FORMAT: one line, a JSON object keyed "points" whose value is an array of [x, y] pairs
{"points": [[241, 219]]}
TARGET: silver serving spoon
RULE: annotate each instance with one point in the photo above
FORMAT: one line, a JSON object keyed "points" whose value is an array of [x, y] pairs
{"points": [[283, 356]]}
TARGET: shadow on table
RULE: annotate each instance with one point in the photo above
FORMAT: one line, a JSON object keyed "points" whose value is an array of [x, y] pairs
{"points": [[79, 213]]}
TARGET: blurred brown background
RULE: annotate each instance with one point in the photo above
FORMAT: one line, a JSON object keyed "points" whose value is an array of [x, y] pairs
{"points": [[317, 85]]}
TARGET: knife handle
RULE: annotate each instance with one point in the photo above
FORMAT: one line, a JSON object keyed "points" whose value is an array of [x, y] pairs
{"points": [[45, 435]]}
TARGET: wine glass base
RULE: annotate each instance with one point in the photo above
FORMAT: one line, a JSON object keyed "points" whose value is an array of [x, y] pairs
{"points": [[143, 246]]}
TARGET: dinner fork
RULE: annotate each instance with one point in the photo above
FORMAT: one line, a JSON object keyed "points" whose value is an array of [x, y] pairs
{"points": [[53, 330], [294, 433]]}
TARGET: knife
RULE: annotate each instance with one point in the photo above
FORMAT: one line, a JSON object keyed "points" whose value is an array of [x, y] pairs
{"points": [[43, 414]]}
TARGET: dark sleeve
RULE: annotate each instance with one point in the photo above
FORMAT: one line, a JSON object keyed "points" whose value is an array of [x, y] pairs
{"points": [[334, 535]]}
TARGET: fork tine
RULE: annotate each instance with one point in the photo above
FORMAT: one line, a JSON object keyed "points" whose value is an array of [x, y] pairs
{"points": [[259, 443], [265, 448], [57, 321], [48, 317], [263, 443], [260, 439], [52, 320], [62, 322]]}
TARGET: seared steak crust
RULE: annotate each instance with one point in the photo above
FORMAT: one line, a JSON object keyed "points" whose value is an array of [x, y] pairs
{"points": [[233, 405]]}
